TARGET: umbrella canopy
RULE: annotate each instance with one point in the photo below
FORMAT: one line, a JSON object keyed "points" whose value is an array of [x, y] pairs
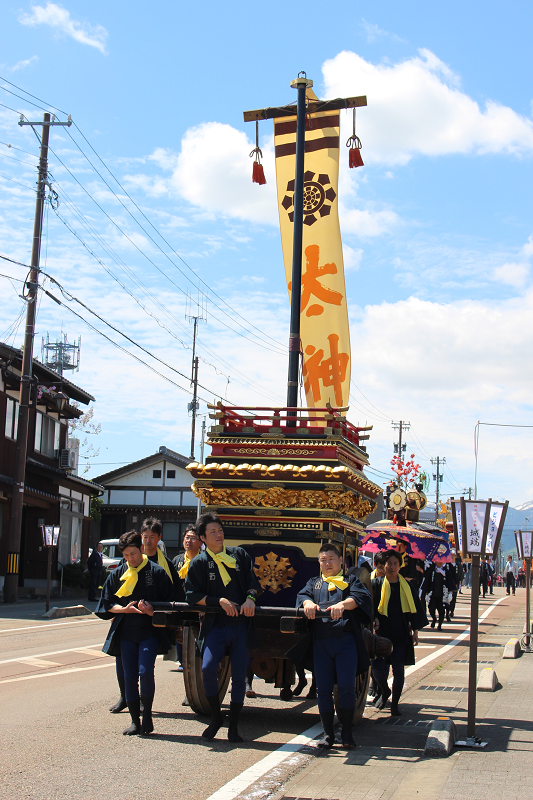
{"points": [[425, 546]]}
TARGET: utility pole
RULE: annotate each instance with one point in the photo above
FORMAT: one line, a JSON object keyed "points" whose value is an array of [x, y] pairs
{"points": [[32, 285], [400, 426], [303, 108], [202, 443], [438, 478], [469, 492], [194, 405]]}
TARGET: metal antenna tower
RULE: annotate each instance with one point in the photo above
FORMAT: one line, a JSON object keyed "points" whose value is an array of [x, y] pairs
{"points": [[195, 312], [61, 356]]}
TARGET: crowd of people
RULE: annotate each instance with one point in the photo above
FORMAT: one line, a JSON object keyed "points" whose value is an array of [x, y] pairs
{"points": [[393, 601]]}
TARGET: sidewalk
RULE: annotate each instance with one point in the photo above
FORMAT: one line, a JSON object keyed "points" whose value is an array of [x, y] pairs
{"points": [[31, 609], [389, 760]]}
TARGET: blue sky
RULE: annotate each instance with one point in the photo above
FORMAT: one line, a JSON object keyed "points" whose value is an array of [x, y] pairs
{"points": [[436, 227]]}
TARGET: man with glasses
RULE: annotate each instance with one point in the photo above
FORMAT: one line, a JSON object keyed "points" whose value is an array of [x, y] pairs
{"points": [[339, 653]]}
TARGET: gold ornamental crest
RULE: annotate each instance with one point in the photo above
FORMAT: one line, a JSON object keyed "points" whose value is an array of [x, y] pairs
{"points": [[274, 572]]}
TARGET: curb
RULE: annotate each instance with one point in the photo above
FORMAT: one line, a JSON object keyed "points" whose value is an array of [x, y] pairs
{"points": [[67, 611]]}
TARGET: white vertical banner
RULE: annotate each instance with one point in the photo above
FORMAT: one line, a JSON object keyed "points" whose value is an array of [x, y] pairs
{"points": [[526, 541], [456, 506], [473, 525], [494, 524]]}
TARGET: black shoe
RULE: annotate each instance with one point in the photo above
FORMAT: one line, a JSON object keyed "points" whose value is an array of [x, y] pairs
{"points": [[121, 704], [217, 718], [328, 739], [439, 626], [433, 624], [147, 725], [346, 719], [298, 689], [134, 707], [395, 711], [233, 720], [385, 694]]}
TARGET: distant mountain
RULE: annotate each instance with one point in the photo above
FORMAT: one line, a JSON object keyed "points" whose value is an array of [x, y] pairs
{"points": [[525, 506]]}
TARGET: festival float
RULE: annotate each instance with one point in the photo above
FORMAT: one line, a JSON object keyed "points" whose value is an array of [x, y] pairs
{"points": [[286, 480]]}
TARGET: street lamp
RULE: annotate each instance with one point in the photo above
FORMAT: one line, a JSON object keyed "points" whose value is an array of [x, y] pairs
{"points": [[523, 545], [478, 526], [50, 534]]}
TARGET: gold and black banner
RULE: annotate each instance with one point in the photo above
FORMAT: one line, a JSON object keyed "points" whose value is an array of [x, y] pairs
{"points": [[324, 314]]}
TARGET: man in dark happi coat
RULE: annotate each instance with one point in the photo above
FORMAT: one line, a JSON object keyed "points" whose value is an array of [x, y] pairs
{"points": [[223, 577], [127, 599], [339, 654]]}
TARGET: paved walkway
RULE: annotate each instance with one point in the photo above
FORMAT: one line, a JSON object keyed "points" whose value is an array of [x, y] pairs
{"points": [[389, 761]]}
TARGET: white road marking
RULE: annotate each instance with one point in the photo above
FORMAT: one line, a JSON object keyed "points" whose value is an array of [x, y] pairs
{"points": [[253, 773], [93, 653], [38, 662], [61, 672], [81, 649], [45, 625], [442, 650]]}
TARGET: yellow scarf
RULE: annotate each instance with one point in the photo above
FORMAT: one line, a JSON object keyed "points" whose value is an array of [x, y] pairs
{"points": [[185, 568], [161, 560], [408, 604], [130, 579], [220, 559], [373, 574], [335, 582]]}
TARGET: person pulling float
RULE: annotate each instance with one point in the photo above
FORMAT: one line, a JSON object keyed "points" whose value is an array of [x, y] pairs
{"points": [[339, 653], [126, 599], [223, 577]]}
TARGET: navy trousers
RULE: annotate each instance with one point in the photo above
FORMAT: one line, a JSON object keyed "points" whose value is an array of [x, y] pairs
{"points": [[221, 641], [335, 663], [138, 662]]}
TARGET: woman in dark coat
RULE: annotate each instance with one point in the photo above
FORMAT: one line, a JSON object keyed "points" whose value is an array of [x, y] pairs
{"points": [[398, 616], [126, 599]]}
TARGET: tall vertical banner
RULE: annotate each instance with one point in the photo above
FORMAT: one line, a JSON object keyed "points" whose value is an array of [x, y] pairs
{"points": [[324, 314]]}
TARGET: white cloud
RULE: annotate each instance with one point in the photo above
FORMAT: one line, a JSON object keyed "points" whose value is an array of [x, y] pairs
{"points": [[516, 273], [365, 222], [59, 18], [352, 258], [213, 171], [415, 107], [374, 32], [23, 64]]}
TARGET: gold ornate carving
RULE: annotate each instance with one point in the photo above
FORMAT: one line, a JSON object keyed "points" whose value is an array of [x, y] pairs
{"points": [[274, 572], [270, 532], [204, 484], [273, 451], [346, 502]]}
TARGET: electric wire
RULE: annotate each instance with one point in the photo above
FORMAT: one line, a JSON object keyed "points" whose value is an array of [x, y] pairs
{"points": [[157, 267], [197, 277], [123, 349], [6, 178], [122, 265], [32, 95]]}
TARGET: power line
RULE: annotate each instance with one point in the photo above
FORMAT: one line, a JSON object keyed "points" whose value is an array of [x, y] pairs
{"points": [[209, 288], [32, 95], [161, 271], [6, 178]]}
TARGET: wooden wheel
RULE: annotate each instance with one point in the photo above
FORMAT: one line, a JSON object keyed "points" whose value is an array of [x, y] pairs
{"points": [[192, 673]]}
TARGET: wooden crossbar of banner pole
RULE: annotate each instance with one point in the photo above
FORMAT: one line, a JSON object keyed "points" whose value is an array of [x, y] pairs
{"points": [[312, 108]]}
